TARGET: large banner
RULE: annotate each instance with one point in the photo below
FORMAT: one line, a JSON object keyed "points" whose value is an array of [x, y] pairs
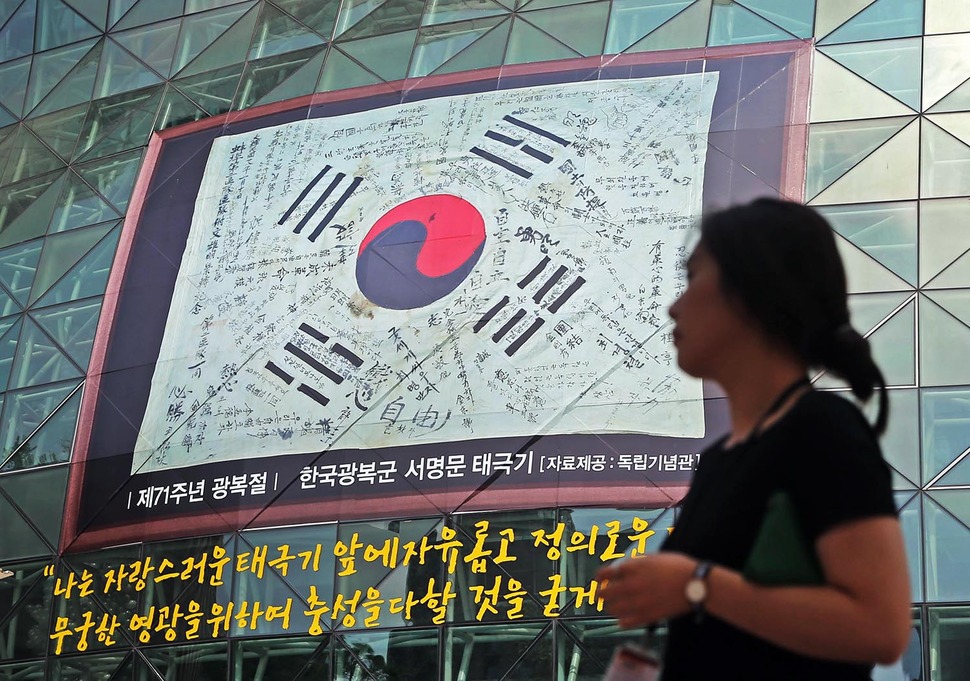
{"points": [[459, 292]]}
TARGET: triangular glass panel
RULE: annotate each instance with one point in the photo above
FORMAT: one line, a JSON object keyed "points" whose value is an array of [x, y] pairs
{"points": [[864, 274], [113, 177], [37, 216], [830, 14], [176, 109], [148, 12], [212, 91], [118, 9], [351, 13], [869, 310], [17, 35], [264, 75], [76, 87], [40, 495], [886, 231], [201, 31], [484, 651], [946, 64], [688, 28], [106, 113], [631, 20], [895, 66], [386, 55], [944, 164], [958, 100], [734, 25], [107, 667], [95, 11], [49, 68], [956, 303], [61, 252], [943, 344], [391, 16], [537, 661], [278, 33], [838, 94], [909, 508], [231, 47], [298, 659], [7, 8], [60, 130], [155, 45], [118, 123], [80, 205], [889, 173], [835, 148], [958, 475], [894, 347], [956, 275], [88, 278], [438, 44], [21, 590], [22, 156], [943, 235], [58, 24], [484, 52], [340, 72], [900, 443], [24, 412], [956, 502], [16, 200], [73, 325], [582, 27], [8, 306], [39, 360], [880, 20], [18, 266], [450, 11], [121, 72], [945, 432], [52, 441], [528, 44], [317, 16], [13, 84], [302, 82], [794, 16], [957, 124], [530, 5], [6, 118], [8, 350], [947, 548], [18, 539]]}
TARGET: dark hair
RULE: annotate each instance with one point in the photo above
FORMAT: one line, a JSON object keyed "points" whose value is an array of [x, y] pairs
{"points": [[779, 260]]}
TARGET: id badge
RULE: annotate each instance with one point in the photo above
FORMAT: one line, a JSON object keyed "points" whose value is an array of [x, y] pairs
{"points": [[632, 662]]}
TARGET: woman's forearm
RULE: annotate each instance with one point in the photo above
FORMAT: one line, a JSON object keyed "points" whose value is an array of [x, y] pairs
{"points": [[818, 621]]}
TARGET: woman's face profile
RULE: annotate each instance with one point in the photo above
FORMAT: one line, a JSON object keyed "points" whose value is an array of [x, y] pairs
{"points": [[708, 325]]}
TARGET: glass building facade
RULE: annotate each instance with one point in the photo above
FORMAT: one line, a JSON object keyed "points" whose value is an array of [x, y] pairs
{"points": [[84, 86]]}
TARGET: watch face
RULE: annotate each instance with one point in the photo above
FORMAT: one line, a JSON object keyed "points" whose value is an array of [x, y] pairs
{"points": [[696, 591]]}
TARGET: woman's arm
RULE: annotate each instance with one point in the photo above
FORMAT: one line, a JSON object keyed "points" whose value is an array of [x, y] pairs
{"points": [[861, 614]]}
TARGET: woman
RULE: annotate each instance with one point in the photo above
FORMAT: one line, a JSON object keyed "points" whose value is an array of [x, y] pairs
{"points": [[766, 300]]}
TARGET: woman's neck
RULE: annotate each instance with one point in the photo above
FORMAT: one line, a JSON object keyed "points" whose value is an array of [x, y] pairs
{"points": [[753, 387]]}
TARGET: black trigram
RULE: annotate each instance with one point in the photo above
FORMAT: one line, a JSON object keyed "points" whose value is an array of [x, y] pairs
{"points": [[548, 285], [322, 225], [519, 144], [510, 324], [314, 364]]}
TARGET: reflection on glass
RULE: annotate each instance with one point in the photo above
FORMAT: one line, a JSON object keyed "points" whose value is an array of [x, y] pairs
{"points": [[482, 653], [946, 428], [25, 601], [203, 661], [283, 659], [949, 634], [409, 654], [947, 547]]}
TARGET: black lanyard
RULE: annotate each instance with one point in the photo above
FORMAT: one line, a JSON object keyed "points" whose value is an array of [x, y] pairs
{"points": [[776, 405]]}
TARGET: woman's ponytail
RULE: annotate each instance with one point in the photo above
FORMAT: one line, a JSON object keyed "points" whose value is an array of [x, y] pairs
{"points": [[846, 353]]}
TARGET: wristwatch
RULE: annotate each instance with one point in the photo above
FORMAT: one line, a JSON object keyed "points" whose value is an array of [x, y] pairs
{"points": [[696, 589]]}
